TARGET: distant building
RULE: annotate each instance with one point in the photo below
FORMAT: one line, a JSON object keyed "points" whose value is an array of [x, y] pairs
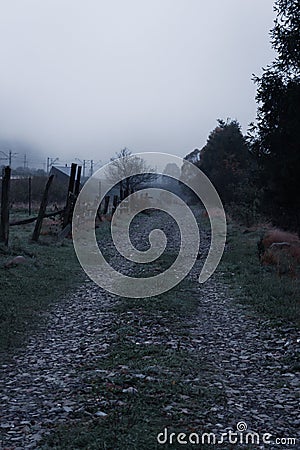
{"points": [[61, 173]]}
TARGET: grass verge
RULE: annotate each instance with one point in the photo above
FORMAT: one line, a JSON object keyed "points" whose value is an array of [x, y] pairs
{"points": [[271, 296], [51, 269]]}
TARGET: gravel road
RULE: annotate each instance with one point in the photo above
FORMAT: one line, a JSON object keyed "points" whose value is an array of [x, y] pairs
{"points": [[46, 381]]}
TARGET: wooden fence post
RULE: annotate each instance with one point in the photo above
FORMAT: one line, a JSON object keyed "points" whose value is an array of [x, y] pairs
{"points": [[70, 196], [77, 182], [115, 204], [72, 177], [29, 196], [106, 204], [5, 205], [43, 206]]}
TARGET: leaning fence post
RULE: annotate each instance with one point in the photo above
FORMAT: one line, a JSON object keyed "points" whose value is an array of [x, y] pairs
{"points": [[115, 204], [106, 204], [43, 206], [5, 205], [70, 196], [72, 177]]}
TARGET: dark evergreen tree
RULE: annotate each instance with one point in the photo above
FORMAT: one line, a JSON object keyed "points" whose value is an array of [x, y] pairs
{"points": [[275, 138], [225, 159]]}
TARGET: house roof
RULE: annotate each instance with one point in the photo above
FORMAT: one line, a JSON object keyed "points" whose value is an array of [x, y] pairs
{"points": [[63, 169]]}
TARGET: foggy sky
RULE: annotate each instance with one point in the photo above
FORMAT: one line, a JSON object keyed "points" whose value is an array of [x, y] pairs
{"points": [[86, 78]]}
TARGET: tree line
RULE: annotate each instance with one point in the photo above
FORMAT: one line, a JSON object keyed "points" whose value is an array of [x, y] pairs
{"points": [[258, 175]]}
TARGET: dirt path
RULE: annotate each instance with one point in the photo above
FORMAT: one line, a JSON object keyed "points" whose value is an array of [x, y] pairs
{"points": [[47, 382]]}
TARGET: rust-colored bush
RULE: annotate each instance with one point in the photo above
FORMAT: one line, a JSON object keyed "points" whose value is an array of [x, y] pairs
{"points": [[281, 249], [279, 236]]}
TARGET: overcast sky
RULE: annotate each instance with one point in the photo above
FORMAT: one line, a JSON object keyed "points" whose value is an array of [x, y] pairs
{"points": [[86, 78]]}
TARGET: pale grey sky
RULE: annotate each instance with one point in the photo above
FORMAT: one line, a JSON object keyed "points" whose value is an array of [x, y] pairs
{"points": [[86, 78]]}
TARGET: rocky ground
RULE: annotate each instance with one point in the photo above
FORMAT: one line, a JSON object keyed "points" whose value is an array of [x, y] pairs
{"points": [[46, 383]]}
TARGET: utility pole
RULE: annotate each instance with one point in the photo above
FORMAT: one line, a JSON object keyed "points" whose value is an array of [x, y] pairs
{"points": [[50, 162], [8, 156], [85, 163]]}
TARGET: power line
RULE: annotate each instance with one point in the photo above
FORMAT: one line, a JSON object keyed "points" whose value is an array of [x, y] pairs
{"points": [[8, 156], [85, 163], [50, 162]]}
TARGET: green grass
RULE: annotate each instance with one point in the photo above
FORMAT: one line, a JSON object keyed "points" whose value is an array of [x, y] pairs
{"points": [[269, 295], [51, 270]]}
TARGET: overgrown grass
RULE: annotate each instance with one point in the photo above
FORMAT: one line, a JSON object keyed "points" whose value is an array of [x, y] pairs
{"points": [[51, 269], [271, 296]]}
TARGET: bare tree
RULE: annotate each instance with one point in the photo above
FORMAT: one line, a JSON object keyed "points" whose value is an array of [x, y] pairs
{"points": [[123, 167], [172, 170]]}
